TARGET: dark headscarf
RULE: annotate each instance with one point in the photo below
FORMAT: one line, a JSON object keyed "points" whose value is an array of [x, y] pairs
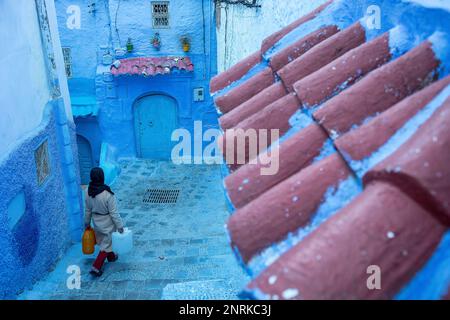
{"points": [[97, 184]]}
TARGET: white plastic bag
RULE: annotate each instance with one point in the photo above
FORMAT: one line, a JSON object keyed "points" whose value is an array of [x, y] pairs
{"points": [[122, 243]]}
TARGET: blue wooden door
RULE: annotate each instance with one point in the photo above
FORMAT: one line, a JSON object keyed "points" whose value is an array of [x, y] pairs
{"points": [[85, 159], [155, 120]]}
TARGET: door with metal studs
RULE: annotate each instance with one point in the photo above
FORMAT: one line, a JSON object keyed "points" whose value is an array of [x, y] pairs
{"points": [[155, 120]]}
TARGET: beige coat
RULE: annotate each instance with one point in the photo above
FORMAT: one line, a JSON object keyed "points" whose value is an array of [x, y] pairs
{"points": [[103, 211]]}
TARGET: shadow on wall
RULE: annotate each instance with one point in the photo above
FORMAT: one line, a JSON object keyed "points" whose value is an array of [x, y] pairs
{"points": [[25, 235]]}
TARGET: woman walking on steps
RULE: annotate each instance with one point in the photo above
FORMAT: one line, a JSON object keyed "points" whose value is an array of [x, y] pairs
{"points": [[101, 208]]}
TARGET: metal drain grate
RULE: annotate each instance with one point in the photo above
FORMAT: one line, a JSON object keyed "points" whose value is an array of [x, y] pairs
{"points": [[161, 196]]}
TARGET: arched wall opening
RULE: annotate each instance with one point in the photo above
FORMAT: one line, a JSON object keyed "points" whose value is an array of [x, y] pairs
{"points": [[85, 158]]}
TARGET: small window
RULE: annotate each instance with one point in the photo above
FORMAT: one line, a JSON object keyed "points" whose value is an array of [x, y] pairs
{"points": [[160, 14], [67, 53], [42, 162]]}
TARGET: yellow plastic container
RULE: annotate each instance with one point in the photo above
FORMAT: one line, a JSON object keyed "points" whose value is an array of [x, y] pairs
{"points": [[88, 241]]}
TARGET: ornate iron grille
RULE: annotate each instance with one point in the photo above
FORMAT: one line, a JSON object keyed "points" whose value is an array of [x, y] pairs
{"points": [[160, 14]]}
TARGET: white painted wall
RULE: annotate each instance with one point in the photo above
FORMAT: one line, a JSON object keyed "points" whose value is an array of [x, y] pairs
{"points": [[24, 84], [24, 88], [243, 29]]}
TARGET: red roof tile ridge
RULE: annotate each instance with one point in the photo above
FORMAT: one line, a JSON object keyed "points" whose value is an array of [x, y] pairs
{"points": [[240, 69], [149, 66], [236, 72], [253, 105], [332, 262], [341, 73], [301, 46], [271, 40], [285, 207], [322, 54], [245, 91], [295, 153], [366, 139], [379, 90], [420, 167], [275, 116]]}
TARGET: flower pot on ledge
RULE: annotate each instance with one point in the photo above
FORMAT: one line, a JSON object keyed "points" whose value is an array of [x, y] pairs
{"points": [[185, 43], [156, 41]]}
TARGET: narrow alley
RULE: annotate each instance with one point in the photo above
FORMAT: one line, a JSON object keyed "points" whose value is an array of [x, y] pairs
{"points": [[181, 249], [314, 137]]}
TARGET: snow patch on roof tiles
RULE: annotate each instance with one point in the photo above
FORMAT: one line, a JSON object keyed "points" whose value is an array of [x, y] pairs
{"points": [[441, 46], [401, 41], [298, 121], [327, 150]]}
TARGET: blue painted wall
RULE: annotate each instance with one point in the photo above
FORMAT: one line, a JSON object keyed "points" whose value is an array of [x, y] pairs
{"points": [[35, 232], [107, 29], [40, 237]]}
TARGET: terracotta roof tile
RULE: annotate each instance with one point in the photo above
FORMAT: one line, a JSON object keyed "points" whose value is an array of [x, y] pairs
{"points": [[247, 183], [364, 159], [284, 108], [363, 141], [274, 116], [382, 227], [253, 105], [301, 46], [277, 36], [380, 90], [420, 168], [245, 91], [235, 73], [343, 72], [242, 68], [151, 66], [284, 208], [322, 54]]}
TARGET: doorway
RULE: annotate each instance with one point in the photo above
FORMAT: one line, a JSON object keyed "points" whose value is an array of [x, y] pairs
{"points": [[155, 120], [85, 159]]}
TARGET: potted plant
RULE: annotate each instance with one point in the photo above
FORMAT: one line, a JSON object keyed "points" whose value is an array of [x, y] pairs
{"points": [[186, 43], [156, 41], [130, 46]]}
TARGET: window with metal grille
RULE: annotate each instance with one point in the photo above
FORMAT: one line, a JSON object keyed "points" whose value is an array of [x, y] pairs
{"points": [[42, 160], [160, 14], [247, 3], [67, 53]]}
